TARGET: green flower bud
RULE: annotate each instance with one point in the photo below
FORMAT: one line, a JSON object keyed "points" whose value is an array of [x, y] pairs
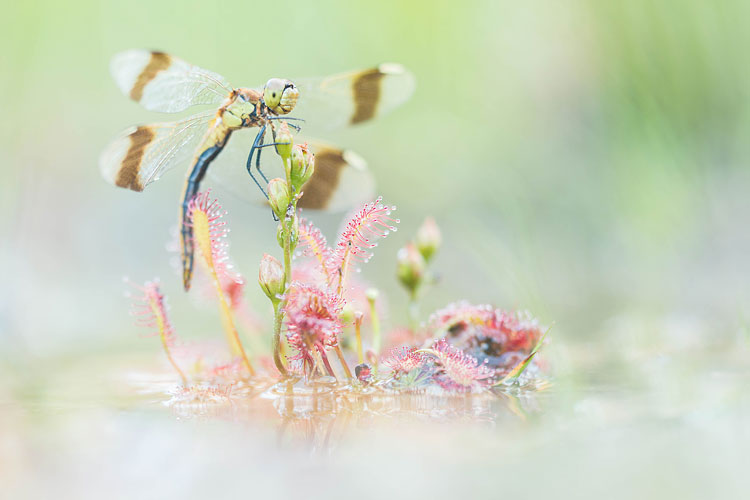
{"points": [[372, 294], [295, 234], [303, 166], [347, 314], [271, 278], [410, 267], [428, 238], [278, 197], [284, 142]]}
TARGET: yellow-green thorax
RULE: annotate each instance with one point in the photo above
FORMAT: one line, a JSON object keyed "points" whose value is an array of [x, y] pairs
{"points": [[242, 109]]}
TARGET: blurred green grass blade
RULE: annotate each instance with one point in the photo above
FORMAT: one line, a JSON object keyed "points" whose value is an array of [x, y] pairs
{"points": [[521, 367]]}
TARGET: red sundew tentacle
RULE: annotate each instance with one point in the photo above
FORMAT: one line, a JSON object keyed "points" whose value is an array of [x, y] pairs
{"points": [[404, 360], [312, 319], [204, 216], [218, 253], [356, 241], [514, 331], [151, 310], [461, 370], [314, 244]]}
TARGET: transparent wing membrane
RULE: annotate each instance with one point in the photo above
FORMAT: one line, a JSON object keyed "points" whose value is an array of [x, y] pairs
{"points": [[353, 97], [160, 82], [140, 155]]}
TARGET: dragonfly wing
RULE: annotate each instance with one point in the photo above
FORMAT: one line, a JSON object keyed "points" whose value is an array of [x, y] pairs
{"points": [[160, 82], [340, 181], [354, 97], [140, 155]]}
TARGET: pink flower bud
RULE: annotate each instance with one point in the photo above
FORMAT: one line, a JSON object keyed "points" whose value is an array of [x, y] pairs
{"points": [[271, 277], [428, 238]]}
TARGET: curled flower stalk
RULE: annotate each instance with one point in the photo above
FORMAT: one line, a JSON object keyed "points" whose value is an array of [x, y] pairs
{"points": [[150, 311], [209, 232]]}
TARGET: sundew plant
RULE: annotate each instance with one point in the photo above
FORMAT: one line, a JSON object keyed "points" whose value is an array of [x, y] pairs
{"points": [[326, 322]]}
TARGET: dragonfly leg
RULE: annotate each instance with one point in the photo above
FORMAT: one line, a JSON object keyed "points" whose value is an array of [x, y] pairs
{"points": [[257, 158], [286, 118], [273, 144], [256, 146]]}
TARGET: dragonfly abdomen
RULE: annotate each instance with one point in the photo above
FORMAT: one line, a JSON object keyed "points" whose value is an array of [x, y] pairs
{"points": [[214, 143]]}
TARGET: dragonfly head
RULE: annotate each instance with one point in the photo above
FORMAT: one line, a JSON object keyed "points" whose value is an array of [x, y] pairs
{"points": [[280, 95]]}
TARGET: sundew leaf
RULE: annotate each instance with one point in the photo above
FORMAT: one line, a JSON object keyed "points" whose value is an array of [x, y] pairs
{"points": [[521, 367]]}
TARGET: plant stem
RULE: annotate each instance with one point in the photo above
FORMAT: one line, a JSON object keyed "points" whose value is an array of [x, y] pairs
{"points": [[318, 361], [276, 341], [288, 224], [172, 362], [229, 328], [342, 360], [326, 363], [162, 334], [375, 320], [413, 312], [358, 331]]}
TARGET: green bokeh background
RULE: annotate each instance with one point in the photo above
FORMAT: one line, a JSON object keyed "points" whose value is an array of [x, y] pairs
{"points": [[586, 160]]}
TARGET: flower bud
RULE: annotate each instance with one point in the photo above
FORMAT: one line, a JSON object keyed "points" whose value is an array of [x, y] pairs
{"points": [[278, 197], [371, 294], [363, 372], [410, 267], [294, 236], [284, 141], [271, 277], [347, 314], [303, 165], [428, 238]]}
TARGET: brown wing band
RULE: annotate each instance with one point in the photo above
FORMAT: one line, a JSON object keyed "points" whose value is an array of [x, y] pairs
{"points": [[127, 176], [159, 61], [317, 192], [366, 89]]}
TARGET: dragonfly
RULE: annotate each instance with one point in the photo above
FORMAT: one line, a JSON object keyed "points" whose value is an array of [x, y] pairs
{"points": [[164, 83]]}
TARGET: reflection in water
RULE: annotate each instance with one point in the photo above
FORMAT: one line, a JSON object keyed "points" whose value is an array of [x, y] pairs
{"points": [[321, 414]]}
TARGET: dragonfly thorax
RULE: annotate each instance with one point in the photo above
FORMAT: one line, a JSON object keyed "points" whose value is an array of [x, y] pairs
{"points": [[242, 109]]}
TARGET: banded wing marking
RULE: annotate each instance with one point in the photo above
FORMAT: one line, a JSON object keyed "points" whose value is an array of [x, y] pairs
{"points": [[160, 82], [141, 154], [353, 97]]}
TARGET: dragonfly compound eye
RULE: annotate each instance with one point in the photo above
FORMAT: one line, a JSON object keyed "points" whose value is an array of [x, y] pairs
{"points": [[280, 95]]}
